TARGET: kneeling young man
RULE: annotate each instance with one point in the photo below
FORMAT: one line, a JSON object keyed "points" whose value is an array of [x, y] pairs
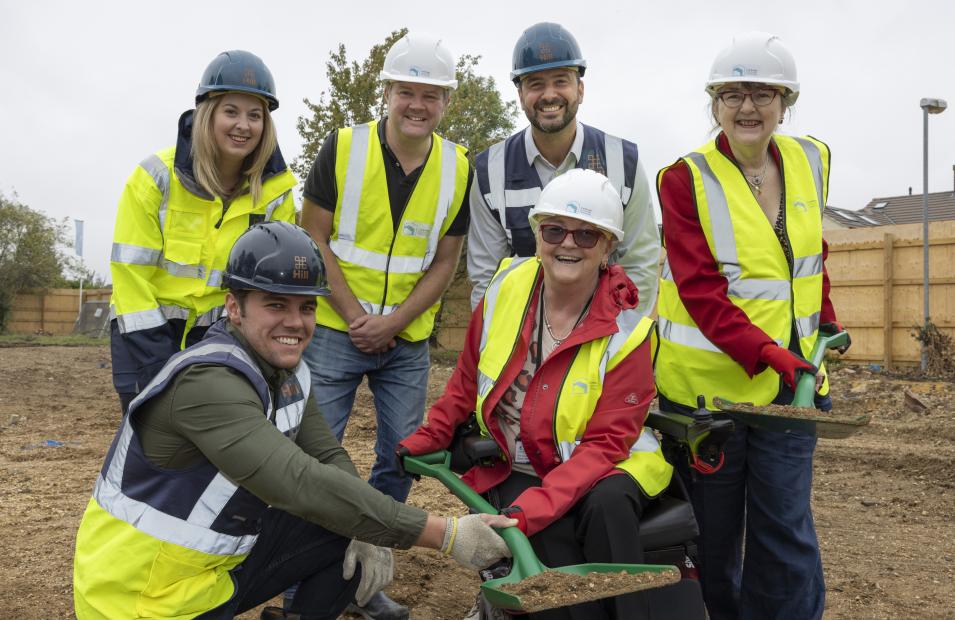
{"points": [[224, 484]]}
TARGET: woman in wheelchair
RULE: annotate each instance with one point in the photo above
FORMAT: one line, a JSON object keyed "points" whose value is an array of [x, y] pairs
{"points": [[557, 366]]}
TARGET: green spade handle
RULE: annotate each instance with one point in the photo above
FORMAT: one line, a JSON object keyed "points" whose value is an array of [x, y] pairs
{"points": [[806, 385]]}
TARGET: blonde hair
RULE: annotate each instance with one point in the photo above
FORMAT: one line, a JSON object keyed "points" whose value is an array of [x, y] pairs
{"points": [[205, 153]]}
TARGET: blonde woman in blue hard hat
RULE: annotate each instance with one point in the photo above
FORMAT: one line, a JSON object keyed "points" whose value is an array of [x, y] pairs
{"points": [[181, 211]]}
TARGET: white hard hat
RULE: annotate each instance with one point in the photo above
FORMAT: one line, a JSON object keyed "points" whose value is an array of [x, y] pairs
{"points": [[422, 58], [584, 195], [755, 57]]}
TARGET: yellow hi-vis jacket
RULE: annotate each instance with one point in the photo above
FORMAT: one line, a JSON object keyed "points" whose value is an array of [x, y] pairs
{"points": [[773, 294], [505, 305], [170, 245], [380, 265]]}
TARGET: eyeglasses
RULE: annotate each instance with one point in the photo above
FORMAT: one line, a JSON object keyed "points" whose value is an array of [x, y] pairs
{"points": [[584, 237], [735, 98]]}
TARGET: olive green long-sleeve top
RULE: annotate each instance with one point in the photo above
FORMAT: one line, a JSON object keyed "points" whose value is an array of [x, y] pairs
{"points": [[213, 412]]}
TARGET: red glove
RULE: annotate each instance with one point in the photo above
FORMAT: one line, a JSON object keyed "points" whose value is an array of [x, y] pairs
{"points": [[785, 362], [834, 327]]}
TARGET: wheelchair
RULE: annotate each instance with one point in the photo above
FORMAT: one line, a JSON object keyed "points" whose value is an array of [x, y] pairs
{"points": [[668, 527]]}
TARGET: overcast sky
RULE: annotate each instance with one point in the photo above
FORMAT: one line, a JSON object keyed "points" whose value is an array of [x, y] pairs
{"points": [[89, 89]]}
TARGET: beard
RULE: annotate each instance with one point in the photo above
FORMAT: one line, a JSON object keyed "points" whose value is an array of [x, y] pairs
{"points": [[554, 126]]}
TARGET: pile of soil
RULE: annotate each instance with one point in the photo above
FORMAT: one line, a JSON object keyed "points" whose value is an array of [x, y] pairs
{"points": [[882, 500]]}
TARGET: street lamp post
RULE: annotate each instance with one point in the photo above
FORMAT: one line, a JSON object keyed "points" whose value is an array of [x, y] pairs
{"points": [[929, 106]]}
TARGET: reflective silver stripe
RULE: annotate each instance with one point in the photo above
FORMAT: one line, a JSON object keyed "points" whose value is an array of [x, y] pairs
{"points": [[806, 266], [627, 321], [815, 164], [495, 178], [807, 325], [490, 298], [753, 288], [275, 204], [666, 274], [685, 335], [138, 321], [373, 308], [215, 278], [134, 254], [182, 271], [646, 442], [348, 251], [719, 212], [484, 384], [354, 178], [449, 164], [210, 317], [174, 312], [160, 174], [289, 417], [165, 527], [566, 448], [213, 499], [521, 197], [614, 148]]}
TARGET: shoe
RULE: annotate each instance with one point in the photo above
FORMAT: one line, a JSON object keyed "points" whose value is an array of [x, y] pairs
{"points": [[380, 607], [475, 612]]}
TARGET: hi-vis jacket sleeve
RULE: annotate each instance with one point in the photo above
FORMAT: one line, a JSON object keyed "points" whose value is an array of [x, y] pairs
{"points": [[137, 248]]}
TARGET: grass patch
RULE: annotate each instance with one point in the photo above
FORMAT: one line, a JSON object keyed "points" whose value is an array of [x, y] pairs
{"points": [[34, 340]]}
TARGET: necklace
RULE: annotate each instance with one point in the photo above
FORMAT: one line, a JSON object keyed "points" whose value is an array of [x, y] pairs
{"points": [[550, 330], [756, 180]]}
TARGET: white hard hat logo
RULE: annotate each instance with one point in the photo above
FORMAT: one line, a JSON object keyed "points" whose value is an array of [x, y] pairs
{"points": [[572, 207], [419, 72]]}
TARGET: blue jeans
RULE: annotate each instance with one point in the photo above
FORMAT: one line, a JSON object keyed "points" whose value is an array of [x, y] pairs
{"points": [[762, 492], [398, 381]]}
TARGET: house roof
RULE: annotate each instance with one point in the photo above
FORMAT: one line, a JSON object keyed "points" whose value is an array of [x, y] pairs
{"points": [[895, 210]]}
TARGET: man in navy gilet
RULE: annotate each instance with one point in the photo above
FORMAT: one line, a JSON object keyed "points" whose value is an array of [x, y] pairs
{"points": [[547, 71]]}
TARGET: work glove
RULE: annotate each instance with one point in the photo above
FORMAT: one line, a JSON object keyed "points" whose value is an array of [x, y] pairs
{"points": [[786, 363], [400, 453], [377, 568], [473, 543], [834, 327]]}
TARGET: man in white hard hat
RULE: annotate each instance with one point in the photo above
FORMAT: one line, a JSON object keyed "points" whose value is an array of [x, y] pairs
{"points": [[387, 204], [547, 70]]}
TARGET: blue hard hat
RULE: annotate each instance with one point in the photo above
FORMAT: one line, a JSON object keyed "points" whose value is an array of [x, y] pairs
{"points": [[546, 46], [277, 257], [238, 71]]}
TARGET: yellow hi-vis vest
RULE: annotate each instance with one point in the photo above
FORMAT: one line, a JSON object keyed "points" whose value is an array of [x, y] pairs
{"points": [[170, 246], [772, 293], [506, 303], [382, 265]]}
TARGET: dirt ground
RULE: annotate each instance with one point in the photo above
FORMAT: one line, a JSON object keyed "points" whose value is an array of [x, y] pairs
{"points": [[883, 501]]}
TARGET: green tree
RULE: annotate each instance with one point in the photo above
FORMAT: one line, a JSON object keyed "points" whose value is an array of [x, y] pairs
{"points": [[476, 117], [31, 252]]}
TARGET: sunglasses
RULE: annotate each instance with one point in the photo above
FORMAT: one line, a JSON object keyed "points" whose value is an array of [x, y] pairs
{"points": [[584, 237]]}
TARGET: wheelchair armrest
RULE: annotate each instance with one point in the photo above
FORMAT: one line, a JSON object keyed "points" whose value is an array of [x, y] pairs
{"points": [[701, 434]]}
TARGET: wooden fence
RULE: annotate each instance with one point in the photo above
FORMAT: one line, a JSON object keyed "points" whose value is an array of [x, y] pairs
{"points": [[50, 311], [876, 276]]}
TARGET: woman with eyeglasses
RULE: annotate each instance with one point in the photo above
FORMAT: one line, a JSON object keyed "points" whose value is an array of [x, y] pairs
{"points": [[557, 366], [743, 295]]}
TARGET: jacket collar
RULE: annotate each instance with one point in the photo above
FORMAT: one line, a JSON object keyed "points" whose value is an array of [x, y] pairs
{"points": [[183, 162]]}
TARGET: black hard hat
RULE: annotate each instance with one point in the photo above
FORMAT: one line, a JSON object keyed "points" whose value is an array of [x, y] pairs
{"points": [[546, 46], [277, 257], [238, 71]]}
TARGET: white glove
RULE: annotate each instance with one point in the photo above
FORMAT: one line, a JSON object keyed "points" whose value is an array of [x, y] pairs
{"points": [[377, 568], [473, 543]]}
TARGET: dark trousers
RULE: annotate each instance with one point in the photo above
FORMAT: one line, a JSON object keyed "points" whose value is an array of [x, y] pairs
{"points": [[291, 550], [762, 492], [604, 526]]}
